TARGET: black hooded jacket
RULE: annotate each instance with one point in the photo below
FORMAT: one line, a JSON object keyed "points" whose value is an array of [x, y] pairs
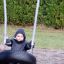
{"points": [[16, 45]]}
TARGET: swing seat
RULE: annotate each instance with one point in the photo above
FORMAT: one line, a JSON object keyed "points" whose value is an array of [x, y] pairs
{"points": [[21, 57]]}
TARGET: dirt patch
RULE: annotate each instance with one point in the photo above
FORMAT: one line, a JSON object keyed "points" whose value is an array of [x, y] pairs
{"points": [[49, 56]]}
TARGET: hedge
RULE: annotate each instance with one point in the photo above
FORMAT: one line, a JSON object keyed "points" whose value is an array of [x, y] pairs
{"points": [[21, 12]]}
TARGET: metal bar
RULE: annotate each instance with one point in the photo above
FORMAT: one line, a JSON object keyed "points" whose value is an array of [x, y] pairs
{"points": [[35, 23], [5, 21]]}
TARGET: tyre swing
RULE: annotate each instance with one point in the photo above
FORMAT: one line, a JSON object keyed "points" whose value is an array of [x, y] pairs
{"points": [[21, 57]]}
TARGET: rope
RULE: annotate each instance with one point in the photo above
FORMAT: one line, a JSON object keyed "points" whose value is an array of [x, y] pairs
{"points": [[5, 21], [35, 23]]}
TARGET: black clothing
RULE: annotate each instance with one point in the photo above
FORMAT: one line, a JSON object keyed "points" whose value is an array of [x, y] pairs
{"points": [[18, 45]]}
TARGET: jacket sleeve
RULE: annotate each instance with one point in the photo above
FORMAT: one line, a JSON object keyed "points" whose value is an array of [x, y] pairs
{"points": [[8, 42], [28, 45]]}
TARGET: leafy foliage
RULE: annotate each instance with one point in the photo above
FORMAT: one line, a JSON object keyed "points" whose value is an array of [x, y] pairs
{"points": [[21, 12], [55, 13]]}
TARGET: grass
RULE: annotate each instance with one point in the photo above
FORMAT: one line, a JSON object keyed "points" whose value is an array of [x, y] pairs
{"points": [[44, 38]]}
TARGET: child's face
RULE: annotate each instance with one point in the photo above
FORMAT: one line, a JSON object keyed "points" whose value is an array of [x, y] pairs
{"points": [[19, 37]]}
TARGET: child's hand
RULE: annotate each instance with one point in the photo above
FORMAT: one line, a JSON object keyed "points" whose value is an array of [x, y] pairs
{"points": [[7, 40], [33, 44]]}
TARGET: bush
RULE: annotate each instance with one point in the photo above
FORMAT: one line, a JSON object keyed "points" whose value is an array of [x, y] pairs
{"points": [[21, 12], [55, 14]]}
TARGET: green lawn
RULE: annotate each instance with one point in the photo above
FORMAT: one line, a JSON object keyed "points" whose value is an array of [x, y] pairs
{"points": [[44, 38]]}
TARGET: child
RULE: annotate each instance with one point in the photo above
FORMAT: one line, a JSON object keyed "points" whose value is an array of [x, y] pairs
{"points": [[19, 41]]}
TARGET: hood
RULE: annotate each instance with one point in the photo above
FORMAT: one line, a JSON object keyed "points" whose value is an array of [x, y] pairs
{"points": [[21, 31]]}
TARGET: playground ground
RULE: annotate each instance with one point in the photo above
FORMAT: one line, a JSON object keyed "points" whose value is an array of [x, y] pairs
{"points": [[49, 56]]}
